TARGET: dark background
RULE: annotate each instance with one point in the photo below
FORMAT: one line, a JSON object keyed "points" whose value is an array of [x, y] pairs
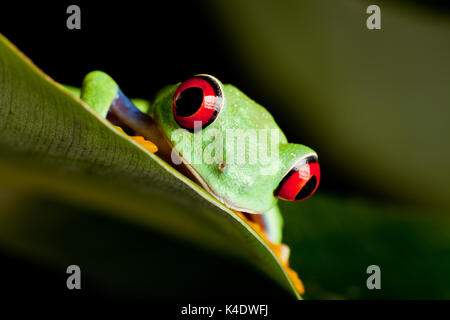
{"points": [[143, 46]]}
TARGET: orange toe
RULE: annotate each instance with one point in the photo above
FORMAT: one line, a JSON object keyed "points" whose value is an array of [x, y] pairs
{"points": [[147, 144]]}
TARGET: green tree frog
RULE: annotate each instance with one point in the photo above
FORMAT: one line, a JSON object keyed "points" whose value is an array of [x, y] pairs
{"points": [[203, 118]]}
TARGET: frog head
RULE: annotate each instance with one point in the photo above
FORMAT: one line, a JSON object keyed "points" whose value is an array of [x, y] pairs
{"points": [[233, 146]]}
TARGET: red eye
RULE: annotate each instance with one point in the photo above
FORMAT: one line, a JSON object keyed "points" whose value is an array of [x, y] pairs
{"points": [[301, 182], [197, 101]]}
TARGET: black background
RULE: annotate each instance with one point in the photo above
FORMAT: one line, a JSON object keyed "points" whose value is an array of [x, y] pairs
{"points": [[143, 46]]}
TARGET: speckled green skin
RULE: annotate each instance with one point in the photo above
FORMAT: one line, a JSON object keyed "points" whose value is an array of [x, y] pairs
{"points": [[98, 90], [240, 186]]}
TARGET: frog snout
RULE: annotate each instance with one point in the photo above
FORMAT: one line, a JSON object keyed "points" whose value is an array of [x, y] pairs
{"points": [[301, 181]]}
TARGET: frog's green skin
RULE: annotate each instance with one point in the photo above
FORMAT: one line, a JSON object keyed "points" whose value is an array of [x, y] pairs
{"points": [[239, 186]]}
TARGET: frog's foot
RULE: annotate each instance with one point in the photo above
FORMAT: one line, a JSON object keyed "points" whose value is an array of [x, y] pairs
{"points": [[298, 284], [281, 250], [147, 144]]}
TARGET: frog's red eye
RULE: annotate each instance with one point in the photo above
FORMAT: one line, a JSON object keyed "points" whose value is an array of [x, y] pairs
{"points": [[197, 102], [301, 181]]}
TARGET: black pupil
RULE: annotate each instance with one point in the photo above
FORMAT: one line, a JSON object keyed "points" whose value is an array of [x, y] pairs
{"points": [[189, 101], [307, 189]]}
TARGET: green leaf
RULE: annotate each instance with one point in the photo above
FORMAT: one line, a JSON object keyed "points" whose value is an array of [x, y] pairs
{"points": [[73, 190]]}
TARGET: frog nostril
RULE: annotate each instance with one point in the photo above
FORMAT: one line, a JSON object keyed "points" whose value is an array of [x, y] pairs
{"points": [[222, 166], [301, 181]]}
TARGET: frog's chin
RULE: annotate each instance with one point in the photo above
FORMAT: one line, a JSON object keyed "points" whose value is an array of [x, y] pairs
{"points": [[202, 182]]}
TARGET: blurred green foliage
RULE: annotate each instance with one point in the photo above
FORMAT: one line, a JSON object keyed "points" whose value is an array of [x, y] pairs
{"points": [[334, 240], [374, 104]]}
